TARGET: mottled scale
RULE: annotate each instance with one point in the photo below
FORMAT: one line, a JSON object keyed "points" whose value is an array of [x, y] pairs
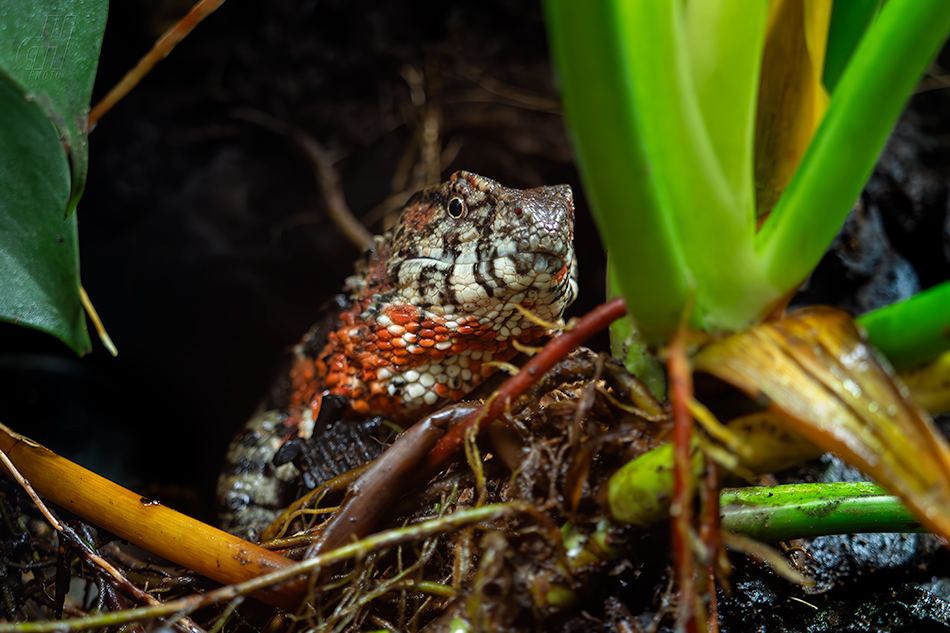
{"points": [[433, 304]]}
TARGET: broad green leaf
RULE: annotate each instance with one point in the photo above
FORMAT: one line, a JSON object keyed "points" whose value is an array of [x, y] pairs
{"points": [[680, 239], [818, 372], [714, 232], [50, 48], [39, 256]]}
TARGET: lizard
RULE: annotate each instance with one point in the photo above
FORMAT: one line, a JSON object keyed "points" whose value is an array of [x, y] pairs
{"points": [[425, 319]]}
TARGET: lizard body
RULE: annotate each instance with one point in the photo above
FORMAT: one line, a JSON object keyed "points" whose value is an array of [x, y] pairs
{"points": [[429, 309]]}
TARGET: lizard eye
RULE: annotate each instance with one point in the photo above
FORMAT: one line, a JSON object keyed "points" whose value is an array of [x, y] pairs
{"points": [[456, 208]]}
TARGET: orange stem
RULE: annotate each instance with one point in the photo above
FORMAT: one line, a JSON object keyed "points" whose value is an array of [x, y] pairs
{"points": [[681, 510], [161, 49], [556, 349], [711, 538]]}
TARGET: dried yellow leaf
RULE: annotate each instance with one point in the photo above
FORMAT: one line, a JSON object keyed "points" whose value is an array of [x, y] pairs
{"points": [[823, 377]]}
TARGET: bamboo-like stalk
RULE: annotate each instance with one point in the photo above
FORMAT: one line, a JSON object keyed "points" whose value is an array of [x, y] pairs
{"points": [[146, 523]]}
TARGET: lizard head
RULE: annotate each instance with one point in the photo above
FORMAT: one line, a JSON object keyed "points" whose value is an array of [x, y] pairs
{"points": [[472, 246]]}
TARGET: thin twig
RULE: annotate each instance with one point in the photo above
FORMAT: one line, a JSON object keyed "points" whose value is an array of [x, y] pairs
{"points": [[97, 322], [20, 479], [710, 534], [327, 176], [172, 535], [381, 541], [513, 95], [161, 49]]}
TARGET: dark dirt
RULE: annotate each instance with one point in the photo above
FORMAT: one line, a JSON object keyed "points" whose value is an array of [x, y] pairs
{"points": [[206, 247]]}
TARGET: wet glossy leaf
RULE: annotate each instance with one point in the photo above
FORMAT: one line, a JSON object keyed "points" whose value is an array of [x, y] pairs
{"points": [[50, 48], [39, 258], [821, 375]]}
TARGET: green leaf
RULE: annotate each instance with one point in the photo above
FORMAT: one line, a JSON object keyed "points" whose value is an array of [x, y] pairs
{"points": [[590, 51], [679, 224], [724, 41], [849, 20], [50, 48], [914, 331], [39, 256], [876, 84], [715, 234]]}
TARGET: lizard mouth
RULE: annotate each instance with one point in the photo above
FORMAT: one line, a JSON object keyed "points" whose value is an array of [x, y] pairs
{"points": [[539, 261], [540, 257]]}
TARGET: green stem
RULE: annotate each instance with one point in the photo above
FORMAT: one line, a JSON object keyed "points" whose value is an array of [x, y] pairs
{"points": [[781, 513], [592, 59]]}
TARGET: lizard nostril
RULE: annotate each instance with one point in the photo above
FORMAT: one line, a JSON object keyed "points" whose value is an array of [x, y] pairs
{"points": [[518, 211]]}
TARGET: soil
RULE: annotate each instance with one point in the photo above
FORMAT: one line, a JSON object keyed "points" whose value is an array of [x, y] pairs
{"points": [[207, 249]]}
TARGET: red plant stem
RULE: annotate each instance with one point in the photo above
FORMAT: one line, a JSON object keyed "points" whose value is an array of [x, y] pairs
{"points": [[556, 349], [712, 539], [681, 510], [163, 46], [409, 472]]}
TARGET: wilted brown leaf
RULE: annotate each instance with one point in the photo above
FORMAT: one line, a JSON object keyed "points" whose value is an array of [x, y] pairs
{"points": [[820, 373]]}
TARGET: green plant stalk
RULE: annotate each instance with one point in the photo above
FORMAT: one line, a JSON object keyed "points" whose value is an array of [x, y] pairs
{"points": [[626, 343], [872, 91], [781, 513], [849, 20], [640, 492], [713, 228], [914, 331], [724, 40], [666, 158], [778, 513], [590, 52]]}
